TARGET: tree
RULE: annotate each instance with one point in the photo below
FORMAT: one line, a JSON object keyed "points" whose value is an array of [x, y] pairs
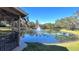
{"points": [[47, 26], [32, 25], [67, 23]]}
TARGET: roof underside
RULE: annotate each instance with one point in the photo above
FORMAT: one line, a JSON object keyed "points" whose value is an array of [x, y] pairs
{"points": [[11, 13], [15, 11]]}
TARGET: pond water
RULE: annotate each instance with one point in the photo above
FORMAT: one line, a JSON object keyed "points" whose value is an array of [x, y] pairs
{"points": [[42, 38]]}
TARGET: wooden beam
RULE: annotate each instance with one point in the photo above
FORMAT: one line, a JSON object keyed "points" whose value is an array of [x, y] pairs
{"points": [[15, 11], [7, 15], [19, 25]]}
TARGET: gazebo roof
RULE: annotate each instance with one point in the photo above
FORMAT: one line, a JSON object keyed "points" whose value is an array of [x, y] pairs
{"points": [[15, 10], [11, 13]]}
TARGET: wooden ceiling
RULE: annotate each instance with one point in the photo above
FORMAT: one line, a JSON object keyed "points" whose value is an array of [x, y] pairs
{"points": [[8, 13]]}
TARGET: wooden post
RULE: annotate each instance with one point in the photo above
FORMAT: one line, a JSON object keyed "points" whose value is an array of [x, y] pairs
{"points": [[19, 26], [12, 24]]}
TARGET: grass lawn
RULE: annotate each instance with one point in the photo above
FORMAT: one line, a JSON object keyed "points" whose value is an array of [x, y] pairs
{"points": [[70, 31], [32, 46], [5, 29], [71, 46]]}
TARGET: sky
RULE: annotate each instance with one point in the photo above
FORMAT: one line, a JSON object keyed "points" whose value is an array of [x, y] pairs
{"points": [[49, 14]]}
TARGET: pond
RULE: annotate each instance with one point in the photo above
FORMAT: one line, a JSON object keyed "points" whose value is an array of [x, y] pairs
{"points": [[41, 38]]}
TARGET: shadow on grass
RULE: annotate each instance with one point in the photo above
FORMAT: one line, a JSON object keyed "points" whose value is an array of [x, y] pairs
{"points": [[41, 47]]}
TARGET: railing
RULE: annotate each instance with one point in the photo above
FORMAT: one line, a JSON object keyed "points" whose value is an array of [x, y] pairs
{"points": [[9, 42]]}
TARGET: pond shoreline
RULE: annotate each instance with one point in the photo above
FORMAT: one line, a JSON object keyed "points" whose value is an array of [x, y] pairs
{"points": [[60, 42]]}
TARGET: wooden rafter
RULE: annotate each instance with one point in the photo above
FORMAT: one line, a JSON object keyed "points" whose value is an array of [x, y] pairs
{"points": [[4, 15]]}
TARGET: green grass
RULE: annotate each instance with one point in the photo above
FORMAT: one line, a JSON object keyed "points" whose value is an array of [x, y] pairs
{"points": [[76, 32], [4, 30], [42, 47], [71, 46], [67, 46]]}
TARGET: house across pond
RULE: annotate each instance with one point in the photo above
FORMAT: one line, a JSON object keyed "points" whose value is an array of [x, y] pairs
{"points": [[10, 22]]}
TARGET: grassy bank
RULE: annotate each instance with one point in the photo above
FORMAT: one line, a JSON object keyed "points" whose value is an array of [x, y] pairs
{"points": [[4, 29], [71, 46], [70, 31], [32, 46]]}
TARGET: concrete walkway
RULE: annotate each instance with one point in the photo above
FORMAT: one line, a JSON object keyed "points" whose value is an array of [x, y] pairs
{"points": [[22, 45]]}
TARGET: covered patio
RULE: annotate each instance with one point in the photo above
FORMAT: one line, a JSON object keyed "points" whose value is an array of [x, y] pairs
{"points": [[11, 18]]}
